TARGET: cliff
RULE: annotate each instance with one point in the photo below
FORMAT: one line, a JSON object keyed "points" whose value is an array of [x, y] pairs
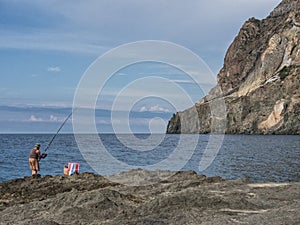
{"points": [[259, 82]]}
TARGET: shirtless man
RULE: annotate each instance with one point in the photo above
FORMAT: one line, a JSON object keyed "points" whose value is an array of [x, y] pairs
{"points": [[34, 157]]}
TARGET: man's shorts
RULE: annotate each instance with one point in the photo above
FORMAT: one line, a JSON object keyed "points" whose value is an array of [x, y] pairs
{"points": [[34, 164]]}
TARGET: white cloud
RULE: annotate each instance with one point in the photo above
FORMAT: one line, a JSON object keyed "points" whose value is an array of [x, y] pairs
{"points": [[55, 69], [143, 109], [184, 81], [122, 74], [33, 118], [54, 118], [155, 108], [103, 121]]}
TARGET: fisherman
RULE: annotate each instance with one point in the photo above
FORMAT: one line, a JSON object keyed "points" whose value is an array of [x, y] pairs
{"points": [[34, 156]]}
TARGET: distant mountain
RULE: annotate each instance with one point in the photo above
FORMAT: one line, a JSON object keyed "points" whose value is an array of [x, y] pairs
{"points": [[259, 81]]}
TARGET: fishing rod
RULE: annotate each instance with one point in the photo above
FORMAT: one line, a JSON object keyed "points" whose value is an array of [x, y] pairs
{"points": [[49, 144]]}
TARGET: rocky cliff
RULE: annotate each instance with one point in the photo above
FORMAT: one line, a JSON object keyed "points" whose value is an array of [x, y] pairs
{"points": [[259, 82]]}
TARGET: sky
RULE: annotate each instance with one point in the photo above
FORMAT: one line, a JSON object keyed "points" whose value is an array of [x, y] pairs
{"points": [[47, 46]]}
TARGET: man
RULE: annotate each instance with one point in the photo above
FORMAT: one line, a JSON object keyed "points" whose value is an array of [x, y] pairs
{"points": [[34, 156]]}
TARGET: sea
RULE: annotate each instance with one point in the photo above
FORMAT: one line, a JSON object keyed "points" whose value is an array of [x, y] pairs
{"points": [[259, 158]]}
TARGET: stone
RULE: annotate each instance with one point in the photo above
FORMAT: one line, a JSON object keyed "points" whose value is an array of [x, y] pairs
{"points": [[182, 197], [261, 67]]}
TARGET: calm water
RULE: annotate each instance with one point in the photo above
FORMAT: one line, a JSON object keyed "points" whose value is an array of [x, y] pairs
{"points": [[259, 158]]}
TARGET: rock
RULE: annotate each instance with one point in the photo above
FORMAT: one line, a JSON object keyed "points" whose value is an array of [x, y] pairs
{"points": [[275, 119], [177, 198], [261, 68]]}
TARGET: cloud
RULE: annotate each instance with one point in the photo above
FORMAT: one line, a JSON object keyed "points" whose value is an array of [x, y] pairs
{"points": [[82, 27], [52, 40], [184, 81], [55, 69], [103, 121], [122, 74], [54, 118], [33, 118], [155, 108]]}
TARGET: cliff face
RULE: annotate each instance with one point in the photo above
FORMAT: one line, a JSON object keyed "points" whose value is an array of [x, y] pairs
{"points": [[259, 82]]}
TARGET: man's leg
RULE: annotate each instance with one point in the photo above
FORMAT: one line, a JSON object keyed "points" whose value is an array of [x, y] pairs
{"points": [[33, 172]]}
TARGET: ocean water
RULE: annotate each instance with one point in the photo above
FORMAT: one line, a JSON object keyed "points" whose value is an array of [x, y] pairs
{"points": [[260, 158]]}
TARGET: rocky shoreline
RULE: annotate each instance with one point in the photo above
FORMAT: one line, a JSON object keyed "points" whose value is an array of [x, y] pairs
{"points": [[165, 198]]}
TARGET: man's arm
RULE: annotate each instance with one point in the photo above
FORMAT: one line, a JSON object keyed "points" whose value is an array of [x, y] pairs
{"points": [[38, 152]]}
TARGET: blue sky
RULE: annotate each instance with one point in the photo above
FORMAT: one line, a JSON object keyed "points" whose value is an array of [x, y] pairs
{"points": [[46, 46]]}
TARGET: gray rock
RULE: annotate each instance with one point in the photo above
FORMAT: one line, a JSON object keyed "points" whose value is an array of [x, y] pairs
{"points": [[259, 83], [181, 198]]}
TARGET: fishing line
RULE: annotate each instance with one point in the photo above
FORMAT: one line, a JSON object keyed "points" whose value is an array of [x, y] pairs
{"points": [[58, 131]]}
